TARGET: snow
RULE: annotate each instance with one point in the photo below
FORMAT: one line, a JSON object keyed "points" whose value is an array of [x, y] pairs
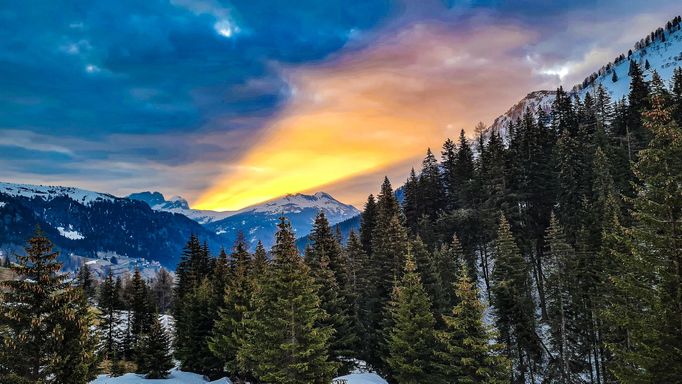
{"points": [[663, 57], [2, 204], [70, 233], [295, 203], [47, 192], [176, 377], [179, 377], [360, 378]]}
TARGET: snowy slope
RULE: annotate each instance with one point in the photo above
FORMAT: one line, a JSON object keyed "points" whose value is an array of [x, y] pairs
{"points": [[663, 57], [47, 192], [297, 203], [259, 222], [532, 101]]}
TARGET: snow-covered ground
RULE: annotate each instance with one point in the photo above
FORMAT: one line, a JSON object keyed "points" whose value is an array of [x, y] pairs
{"points": [[180, 377], [176, 377]]}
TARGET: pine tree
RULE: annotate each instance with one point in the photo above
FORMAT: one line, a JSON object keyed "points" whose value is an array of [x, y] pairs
{"points": [[109, 319], [86, 281], [648, 301], [228, 331], [140, 307], [447, 259], [614, 77], [428, 274], [513, 303], [389, 244], [44, 321], [561, 281], [410, 339], [411, 202], [448, 164], [260, 262], [342, 342], [638, 99], [431, 189], [156, 349], [464, 171], [194, 332], [284, 342], [676, 97], [367, 223], [464, 352], [162, 289], [76, 360], [362, 288]]}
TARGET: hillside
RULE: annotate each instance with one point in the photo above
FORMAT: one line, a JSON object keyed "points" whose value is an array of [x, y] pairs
{"points": [[661, 52], [94, 225]]}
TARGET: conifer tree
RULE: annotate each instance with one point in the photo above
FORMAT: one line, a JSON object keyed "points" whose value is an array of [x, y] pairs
{"points": [[465, 352], [228, 332], [410, 339], [638, 100], [109, 319], [86, 281], [362, 288], [431, 188], [343, 340], [389, 244], [428, 274], [162, 290], [260, 262], [193, 333], [411, 202], [76, 359], [448, 158], [323, 242], [464, 171], [140, 306], [367, 223], [676, 97], [44, 321], [447, 259], [648, 291], [157, 356], [285, 342], [513, 304], [561, 308]]}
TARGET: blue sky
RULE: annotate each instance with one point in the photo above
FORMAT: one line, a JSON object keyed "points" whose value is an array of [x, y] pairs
{"points": [[178, 95]]}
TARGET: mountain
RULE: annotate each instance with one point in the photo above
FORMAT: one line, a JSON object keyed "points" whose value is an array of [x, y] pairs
{"points": [[95, 226], [259, 222], [662, 50], [177, 204]]}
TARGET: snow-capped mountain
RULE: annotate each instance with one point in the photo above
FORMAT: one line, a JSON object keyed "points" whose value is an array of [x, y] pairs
{"points": [[177, 204], [259, 222], [532, 101], [663, 53], [49, 192], [97, 226]]}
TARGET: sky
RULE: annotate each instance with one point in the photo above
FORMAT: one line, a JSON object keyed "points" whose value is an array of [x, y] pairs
{"points": [[231, 103]]}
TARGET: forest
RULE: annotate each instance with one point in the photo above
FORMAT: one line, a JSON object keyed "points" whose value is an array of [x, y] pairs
{"points": [[548, 255]]}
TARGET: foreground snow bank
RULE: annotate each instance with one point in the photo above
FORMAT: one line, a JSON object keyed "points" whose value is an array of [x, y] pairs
{"points": [[180, 377], [176, 377], [362, 378]]}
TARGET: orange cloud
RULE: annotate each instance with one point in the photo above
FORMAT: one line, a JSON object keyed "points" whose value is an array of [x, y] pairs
{"points": [[370, 110]]}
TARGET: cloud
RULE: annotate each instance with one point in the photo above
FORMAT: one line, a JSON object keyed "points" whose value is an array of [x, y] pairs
{"points": [[366, 111]]}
